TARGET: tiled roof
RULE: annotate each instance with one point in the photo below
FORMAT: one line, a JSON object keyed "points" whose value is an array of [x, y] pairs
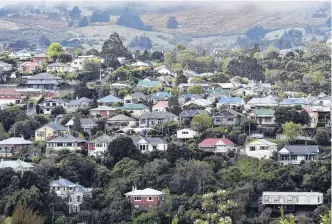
{"points": [[145, 192], [229, 110], [161, 104], [158, 114], [57, 64], [88, 122], [211, 142], [109, 99]]}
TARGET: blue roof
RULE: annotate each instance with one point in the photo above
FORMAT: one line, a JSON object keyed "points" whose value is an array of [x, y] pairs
{"points": [[133, 106], [230, 100], [190, 113], [109, 99], [56, 126], [291, 101], [161, 95]]}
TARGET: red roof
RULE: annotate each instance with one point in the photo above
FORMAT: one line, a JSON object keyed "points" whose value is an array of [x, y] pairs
{"points": [[9, 94], [161, 104], [211, 142]]}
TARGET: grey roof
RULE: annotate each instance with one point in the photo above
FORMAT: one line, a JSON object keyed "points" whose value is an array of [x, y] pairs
{"points": [[56, 64], [148, 140], [138, 95], [229, 110], [265, 100], [158, 114], [302, 149], [15, 164], [88, 122], [120, 117], [15, 141], [57, 100], [67, 138], [56, 126], [190, 113], [45, 76], [104, 138], [78, 101], [81, 189], [62, 183]]}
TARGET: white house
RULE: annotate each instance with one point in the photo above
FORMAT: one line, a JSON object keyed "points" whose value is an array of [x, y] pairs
{"points": [[186, 133], [16, 165], [98, 146], [292, 198], [295, 154], [260, 148], [321, 104], [222, 145], [50, 104], [263, 116], [73, 192], [66, 142], [263, 102], [149, 144]]}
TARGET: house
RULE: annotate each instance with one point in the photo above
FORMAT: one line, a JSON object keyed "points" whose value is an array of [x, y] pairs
{"points": [[86, 123], [67, 190], [144, 199], [108, 100], [295, 154], [121, 121], [57, 67], [77, 64], [15, 145], [49, 131], [186, 133], [136, 97], [226, 116], [263, 116], [232, 102], [186, 116], [188, 97], [227, 86], [260, 148], [148, 84], [29, 67], [185, 86], [66, 141], [43, 81], [321, 104], [81, 103], [98, 146], [5, 67], [17, 165], [5, 153], [292, 102], [262, 102], [199, 102], [149, 144], [292, 201], [103, 111], [222, 145], [140, 64], [153, 118], [40, 59], [160, 106], [22, 55], [50, 104], [165, 71], [160, 96], [135, 110], [9, 96], [215, 96]]}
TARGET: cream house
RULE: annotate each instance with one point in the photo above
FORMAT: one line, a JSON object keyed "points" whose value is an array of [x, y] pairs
{"points": [[260, 148]]}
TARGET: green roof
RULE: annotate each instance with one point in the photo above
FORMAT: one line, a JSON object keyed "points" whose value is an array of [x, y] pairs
{"points": [[224, 91], [262, 112], [130, 106], [149, 83]]}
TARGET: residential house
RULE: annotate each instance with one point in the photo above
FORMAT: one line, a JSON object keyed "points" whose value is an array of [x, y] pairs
{"points": [[108, 100], [136, 97], [40, 59], [227, 86], [160, 106], [146, 198], [232, 102], [50, 104], [49, 131], [165, 71], [222, 145], [57, 67], [215, 96], [188, 97], [135, 110], [153, 118], [5, 154], [186, 116], [86, 123], [67, 190], [140, 64], [160, 96], [263, 117], [260, 148], [98, 146], [17, 165], [22, 55], [29, 67], [148, 84], [77, 64], [226, 116], [292, 102], [186, 133], [295, 154], [43, 81], [185, 86], [81, 103], [9, 96], [199, 102], [103, 111], [66, 141], [149, 144], [262, 102], [15, 145], [5, 67], [121, 120], [321, 104]]}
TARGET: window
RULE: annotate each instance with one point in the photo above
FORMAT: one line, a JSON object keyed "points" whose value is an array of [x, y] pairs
{"points": [[264, 148], [40, 133], [230, 119], [268, 119], [306, 157], [58, 188], [252, 148], [98, 144], [137, 198], [185, 132], [59, 144], [69, 144], [78, 198], [143, 147], [143, 121], [283, 157], [154, 147], [294, 158], [136, 206], [150, 199], [152, 122]]}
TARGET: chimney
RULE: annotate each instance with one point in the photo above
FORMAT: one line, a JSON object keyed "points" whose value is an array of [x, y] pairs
{"points": [[133, 188], [77, 97], [59, 177], [77, 184]]}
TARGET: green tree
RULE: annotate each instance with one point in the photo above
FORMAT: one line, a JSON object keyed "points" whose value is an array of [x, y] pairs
{"points": [[120, 74], [322, 137], [44, 41], [92, 65], [291, 130], [55, 50], [24, 215], [92, 51], [77, 126], [58, 110], [195, 90], [327, 218], [3, 133], [180, 78], [169, 59], [201, 122]]}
